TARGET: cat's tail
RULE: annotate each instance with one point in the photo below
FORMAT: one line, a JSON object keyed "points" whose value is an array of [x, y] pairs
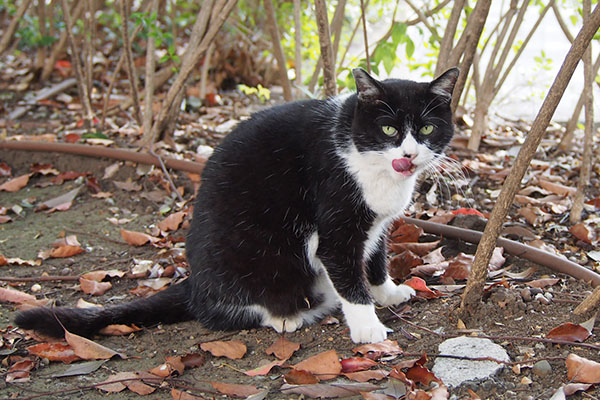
{"points": [[168, 306]]}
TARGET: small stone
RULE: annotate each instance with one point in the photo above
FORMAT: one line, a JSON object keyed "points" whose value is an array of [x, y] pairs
{"points": [[36, 288], [542, 299], [535, 290], [526, 294], [541, 368], [526, 381]]}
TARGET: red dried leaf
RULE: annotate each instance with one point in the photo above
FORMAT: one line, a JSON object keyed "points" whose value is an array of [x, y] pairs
{"points": [[67, 176], [418, 373], [401, 264], [137, 238], [357, 364], [365, 376], [19, 371], [169, 367], [467, 211], [232, 349], [93, 287], [233, 389], [15, 184], [72, 137], [324, 365], [460, 267], [421, 287], [582, 232], [54, 352], [193, 360], [582, 370], [282, 348], [570, 332], [300, 377], [5, 169], [406, 233]]}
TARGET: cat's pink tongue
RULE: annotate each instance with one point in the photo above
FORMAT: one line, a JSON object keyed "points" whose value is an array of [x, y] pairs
{"points": [[403, 165]]}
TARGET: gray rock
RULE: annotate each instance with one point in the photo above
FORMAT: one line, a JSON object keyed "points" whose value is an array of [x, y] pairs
{"points": [[453, 372], [541, 368]]}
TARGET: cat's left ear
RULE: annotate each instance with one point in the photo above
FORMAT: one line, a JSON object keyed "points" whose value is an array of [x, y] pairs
{"points": [[444, 84], [369, 89]]}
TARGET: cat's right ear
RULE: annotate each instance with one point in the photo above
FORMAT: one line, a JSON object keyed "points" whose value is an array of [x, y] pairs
{"points": [[368, 88]]}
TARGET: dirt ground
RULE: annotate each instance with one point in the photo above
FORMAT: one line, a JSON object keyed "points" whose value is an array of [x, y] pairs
{"points": [[505, 314]]}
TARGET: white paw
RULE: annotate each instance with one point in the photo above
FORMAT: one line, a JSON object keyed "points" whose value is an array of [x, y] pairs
{"points": [[364, 325], [388, 293], [289, 324]]}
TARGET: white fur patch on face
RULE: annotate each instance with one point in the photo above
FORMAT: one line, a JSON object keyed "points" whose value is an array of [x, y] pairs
{"points": [[364, 325], [389, 294]]}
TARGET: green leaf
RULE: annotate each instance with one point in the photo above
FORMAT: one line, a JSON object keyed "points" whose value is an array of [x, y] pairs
{"points": [[410, 47], [94, 135], [398, 32]]}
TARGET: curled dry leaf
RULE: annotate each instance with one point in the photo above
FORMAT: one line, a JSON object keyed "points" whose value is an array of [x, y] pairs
{"points": [[19, 371], [65, 251], [582, 370], [365, 376], [282, 348], [169, 367], [377, 350], [357, 364], [406, 233], [557, 188], [137, 238], [119, 330], [233, 389], [232, 349], [128, 186], [570, 332], [326, 391], [264, 369], [94, 288], [100, 275], [418, 373], [421, 287], [15, 184], [56, 351], [420, 249], [193, 360], [582, 232], [60, 203], [401, 265], [542, 283], [324, 365], [172, 222], [181, 395], [88, 349], [18, 297]]}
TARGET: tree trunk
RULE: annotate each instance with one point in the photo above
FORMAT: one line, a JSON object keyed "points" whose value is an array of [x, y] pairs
{"points": [[474, 289], [448, 39], [278, 50], [12, 27], [326, 48]]}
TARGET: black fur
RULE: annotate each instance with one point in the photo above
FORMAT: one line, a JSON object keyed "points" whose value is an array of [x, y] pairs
{"points": [[274, 181]]}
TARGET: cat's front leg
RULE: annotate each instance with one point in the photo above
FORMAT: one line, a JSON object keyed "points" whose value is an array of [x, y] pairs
{"points": [[346, 273], [384, 291]]}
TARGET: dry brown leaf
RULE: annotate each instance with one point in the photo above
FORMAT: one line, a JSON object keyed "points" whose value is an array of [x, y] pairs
{"points": [[300, 377], [282, 348], [365, 376], [557, 188], [180, 395], [377, 350], [582, 232], [100, 275], [18, 297], [88, 349], [328, 391], [94, 288], [234, 389], [193, 360], [569, 331], [115, 383], [264, 369], [357, 364], [582, 370], [420, 249], [15, 184], [232, 349], [172, 222], [406, 233], [137, 238], [56, 351], [65, 251], [542, 283], [128, 186], [376, 396], [19, 371], [169, 367], [324, 365], [119, 330]]}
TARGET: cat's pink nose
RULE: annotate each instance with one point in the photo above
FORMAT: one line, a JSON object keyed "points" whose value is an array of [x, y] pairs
{"points": [[403, 165]]}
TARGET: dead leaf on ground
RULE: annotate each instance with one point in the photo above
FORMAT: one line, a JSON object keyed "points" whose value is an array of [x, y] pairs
{"points": [[582, 370], [137, 238], [172, 222], [365, 376], [300, 377], [18, 297], [232, 349], [234, 389], [264, 369], [19, 371], [323, 390], [325, 365], [56, 351], [420, 249], [582, 232], [60, 203], [557, 188], [181, 395], [421, 287], [128, 186], [569, 331], [357, 364], [119, 330], [377, 350], [94, 288], [100, 275], [88, 349], [15, 184], [542, 283], [169, 367], [282, 348], [406, 233], [65, 251]]}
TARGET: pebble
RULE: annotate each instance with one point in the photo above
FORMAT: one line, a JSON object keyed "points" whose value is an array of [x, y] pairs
{"points": [[542, 299], [541, 368], [526, 294]]}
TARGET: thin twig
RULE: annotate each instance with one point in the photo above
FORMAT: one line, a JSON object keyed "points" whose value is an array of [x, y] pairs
{"points": [[129, 61], [42, 278], [366, 40], [167, 175]]}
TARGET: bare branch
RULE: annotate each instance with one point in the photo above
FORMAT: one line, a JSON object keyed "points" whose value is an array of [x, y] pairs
{"points": [[562, 23], [149, 79], [473, 291], [298, 47], [133, 82], [12, 27], [448, 39], [278, 49], [326, 48], [366, 40]]}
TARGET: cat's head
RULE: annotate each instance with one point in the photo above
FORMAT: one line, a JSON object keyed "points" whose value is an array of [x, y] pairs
{"points": [[403, 126]]}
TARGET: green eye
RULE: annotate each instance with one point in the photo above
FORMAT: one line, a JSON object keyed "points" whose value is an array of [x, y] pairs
{"points": [[426, 129], [389, 130]]}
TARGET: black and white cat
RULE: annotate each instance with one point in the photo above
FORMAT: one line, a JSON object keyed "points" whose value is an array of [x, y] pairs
{"points": [[291, 219]]}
